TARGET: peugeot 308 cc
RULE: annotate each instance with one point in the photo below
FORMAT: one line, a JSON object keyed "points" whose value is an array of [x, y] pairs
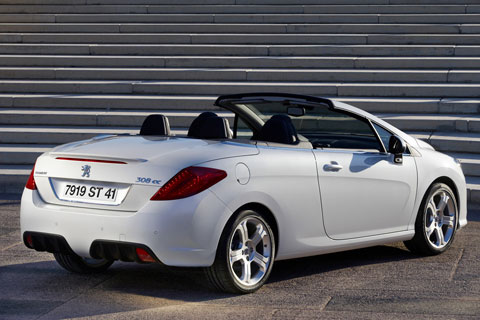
{"points": [[293, 176]]}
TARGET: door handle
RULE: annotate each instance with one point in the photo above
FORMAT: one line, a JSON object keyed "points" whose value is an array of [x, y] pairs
{"points": [[332, 167]]}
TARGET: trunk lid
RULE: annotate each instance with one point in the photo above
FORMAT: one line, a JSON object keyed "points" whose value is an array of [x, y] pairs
{"points": [[122, 172]]}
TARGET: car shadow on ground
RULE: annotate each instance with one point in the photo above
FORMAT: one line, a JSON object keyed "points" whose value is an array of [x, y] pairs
{"points": [[133, 287]]}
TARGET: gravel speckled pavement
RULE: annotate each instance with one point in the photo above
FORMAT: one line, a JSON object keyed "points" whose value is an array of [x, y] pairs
{"points": [[383, 282]]}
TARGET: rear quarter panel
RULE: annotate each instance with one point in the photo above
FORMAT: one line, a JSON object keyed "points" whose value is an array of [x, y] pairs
{"points": [[285, 181]]}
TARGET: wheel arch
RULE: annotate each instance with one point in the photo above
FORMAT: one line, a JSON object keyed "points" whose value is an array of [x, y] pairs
{"points": [[266, 213]]}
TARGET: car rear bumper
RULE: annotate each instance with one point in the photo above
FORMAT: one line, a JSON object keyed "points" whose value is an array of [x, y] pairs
{"points": [[179, 232]]}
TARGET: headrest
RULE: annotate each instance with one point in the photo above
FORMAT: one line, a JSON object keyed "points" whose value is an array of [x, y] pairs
{"points": [[208, 125], [278, 128], [155, 125]]}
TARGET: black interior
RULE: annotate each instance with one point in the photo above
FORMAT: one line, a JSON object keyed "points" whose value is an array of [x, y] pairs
{"points": [[279, 128], [209, 125], [155, 125]]}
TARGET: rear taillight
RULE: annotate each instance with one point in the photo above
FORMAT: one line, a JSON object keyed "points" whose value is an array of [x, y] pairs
{"points": [[189, 181], [31, 181]]}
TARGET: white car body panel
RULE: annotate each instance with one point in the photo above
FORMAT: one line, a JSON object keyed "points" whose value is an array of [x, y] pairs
{"points": [[310, 206], [370, 195]]}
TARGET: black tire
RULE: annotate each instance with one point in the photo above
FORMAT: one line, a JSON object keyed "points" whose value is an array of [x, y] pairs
{"points": [[223, 275], [77, 264], [425, 244]]}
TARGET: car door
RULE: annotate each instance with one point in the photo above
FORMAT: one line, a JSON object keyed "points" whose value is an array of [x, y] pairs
{"points": [[363, 191]]}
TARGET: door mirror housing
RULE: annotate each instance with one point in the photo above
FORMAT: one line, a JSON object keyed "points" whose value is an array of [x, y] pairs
{"points": [[397, 147]]}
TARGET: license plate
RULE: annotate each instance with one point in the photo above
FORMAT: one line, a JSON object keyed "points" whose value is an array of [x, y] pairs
{"points": [[88, 192], [93, 192]]}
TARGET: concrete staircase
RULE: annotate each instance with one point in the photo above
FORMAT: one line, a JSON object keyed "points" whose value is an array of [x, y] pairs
{"points": [[73, 69]]}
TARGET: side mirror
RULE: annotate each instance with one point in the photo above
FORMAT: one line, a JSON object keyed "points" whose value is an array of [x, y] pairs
{"points": [[397, 147]]}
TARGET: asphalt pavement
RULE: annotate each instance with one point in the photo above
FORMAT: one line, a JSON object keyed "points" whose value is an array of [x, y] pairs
{"points": [[382, 282]]}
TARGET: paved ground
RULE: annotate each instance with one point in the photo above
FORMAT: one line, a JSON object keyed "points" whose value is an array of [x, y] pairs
{"points": [[384, 282]]}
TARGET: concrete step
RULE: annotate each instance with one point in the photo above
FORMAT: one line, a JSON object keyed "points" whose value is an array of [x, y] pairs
{"points": [[21, 154], [205, 102], [240, 50], [107, 102], [14, 178], [328, 75], [179, 118], [473, 189], [61, 134], [239, 28], [451, 141], [92, 9], [253, 17], [229, 87], [325, 75], [298, 62], [236, 2], [96, 9], [239, 38], [434, 122], [183, 38], [470, 163], [97, 118]]}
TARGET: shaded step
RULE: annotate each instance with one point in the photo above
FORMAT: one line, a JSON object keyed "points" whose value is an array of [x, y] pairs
{"points": [[204, 102], [473, 188], [14, 177], [325, 75], [21, 154], [61, 134], [238, 38], [184, 38], [296, 62], [434, 122], [452, 141], [470, 163], [238, 9], [238, 28], [179, 118], [156, 102], [229, 87], [239, 50], [95, 9], [98, 118], [238, 2]]}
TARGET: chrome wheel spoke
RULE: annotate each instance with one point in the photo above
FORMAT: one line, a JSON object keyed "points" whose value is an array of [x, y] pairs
{"points": [[261, 261], [432, 205], [440, 237], [443, 202], [429, 230], [258, 235], [236, 255], [243, 229], [449, 220], [246, 272]]}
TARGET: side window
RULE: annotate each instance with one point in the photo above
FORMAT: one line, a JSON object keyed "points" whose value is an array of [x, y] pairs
{"points": [[384, 135], [326, 128]]}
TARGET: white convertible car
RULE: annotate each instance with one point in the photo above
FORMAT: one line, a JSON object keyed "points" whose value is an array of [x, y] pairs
{"points": [[294, 176]]}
